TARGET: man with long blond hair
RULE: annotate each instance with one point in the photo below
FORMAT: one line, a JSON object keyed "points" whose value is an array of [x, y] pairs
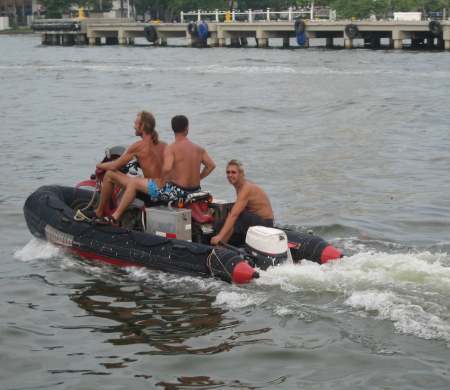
{"points": [[252, 206], [148, 152]]}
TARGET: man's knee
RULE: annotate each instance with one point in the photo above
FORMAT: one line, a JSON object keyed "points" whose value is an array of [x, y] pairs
{"points": [[108, 176], [111, 177]]}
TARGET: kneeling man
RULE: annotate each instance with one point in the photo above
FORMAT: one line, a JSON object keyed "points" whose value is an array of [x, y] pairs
{"points": [[252, 206]]}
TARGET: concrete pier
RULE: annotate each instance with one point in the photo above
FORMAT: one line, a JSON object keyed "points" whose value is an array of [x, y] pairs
{"points": [[398, 34]]}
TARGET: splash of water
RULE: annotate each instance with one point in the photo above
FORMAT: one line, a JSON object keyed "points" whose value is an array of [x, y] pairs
{"points": [[36, 249]]}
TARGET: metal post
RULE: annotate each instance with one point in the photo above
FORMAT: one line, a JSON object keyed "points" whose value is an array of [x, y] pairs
{"points": [[198, 15], [217, 15], [233, 15], [128, 9], [268, 14], [312, 10], [290, 14], [181, 17], [250, 16]]}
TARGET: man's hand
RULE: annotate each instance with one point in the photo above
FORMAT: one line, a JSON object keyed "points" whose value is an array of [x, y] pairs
{"points": [[215, 240], [99, 172]]}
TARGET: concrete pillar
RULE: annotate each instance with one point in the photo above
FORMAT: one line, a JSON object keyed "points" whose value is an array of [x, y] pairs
{"points": [[398, 37], [214, 41], [262, 38], [446, 37], [348, 43], [121, 37], [263, 42], [286, 42], [188, 39]]}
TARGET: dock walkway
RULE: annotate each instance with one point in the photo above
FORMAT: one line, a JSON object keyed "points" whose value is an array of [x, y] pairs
{"points": [[420, 34]]}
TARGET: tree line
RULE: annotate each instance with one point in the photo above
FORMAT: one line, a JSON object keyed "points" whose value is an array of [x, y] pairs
{"points": [[169, 10]]}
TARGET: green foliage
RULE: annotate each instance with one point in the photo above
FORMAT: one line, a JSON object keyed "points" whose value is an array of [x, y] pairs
{"points": [[361, 9], [55, 8]]}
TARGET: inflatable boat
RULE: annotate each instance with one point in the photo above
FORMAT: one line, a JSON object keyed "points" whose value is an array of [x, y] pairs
{"points": [[166, 238]]}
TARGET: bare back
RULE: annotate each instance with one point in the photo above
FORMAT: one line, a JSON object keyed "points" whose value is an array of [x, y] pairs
{"points": [[186, 158], [150, 157]]}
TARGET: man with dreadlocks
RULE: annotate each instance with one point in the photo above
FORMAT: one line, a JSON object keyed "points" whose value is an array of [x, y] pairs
{"points": [[148, 151]]}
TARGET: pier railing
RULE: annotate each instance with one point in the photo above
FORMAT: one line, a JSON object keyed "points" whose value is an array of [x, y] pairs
{"points": [[258, 15]]}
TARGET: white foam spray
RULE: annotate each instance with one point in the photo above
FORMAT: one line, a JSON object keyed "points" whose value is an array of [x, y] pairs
{"points": [[36, 249]]}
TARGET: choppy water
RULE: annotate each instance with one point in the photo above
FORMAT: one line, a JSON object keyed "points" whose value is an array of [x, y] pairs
{"points": [[353, 144]]}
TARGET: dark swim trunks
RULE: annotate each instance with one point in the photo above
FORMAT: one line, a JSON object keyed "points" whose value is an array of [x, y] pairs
{"points": [[247, 219], [170, 192]]}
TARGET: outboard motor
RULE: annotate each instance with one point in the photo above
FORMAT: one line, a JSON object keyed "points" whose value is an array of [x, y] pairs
{"points": [[268, 246]]}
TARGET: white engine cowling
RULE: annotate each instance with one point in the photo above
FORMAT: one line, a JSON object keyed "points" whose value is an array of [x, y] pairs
{"points": [[268, 241]]}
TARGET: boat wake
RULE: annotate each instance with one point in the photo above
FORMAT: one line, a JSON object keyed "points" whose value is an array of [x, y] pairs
{"points": [[410, 289]]}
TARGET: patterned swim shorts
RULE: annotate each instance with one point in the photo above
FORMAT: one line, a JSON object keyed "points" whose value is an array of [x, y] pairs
{"points": [[170, 192]]}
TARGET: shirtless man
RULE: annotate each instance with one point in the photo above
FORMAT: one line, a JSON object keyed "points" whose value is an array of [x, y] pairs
{"points": [[252, 206], [149, 153], [182, 163]]}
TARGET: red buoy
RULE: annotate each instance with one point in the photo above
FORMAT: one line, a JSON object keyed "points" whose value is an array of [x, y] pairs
{"points": [[330, 253], [243, 273]]}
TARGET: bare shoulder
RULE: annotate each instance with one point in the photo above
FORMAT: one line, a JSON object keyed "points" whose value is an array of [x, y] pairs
{"points": [[254, 188], [198, 148], [136, 147], [161, 146], [246, 189]]}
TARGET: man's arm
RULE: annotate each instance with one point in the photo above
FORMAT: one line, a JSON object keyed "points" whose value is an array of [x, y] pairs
{"points": [[119, 162], [167, 167], [238, 207], [208, 163]]}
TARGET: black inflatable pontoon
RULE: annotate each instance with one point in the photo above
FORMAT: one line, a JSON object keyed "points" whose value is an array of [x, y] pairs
{"points": [[50, 216]]}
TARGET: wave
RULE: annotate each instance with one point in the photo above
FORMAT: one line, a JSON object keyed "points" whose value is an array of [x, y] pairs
{"points": [[286, 68], [36, 249], [410, 289]]}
